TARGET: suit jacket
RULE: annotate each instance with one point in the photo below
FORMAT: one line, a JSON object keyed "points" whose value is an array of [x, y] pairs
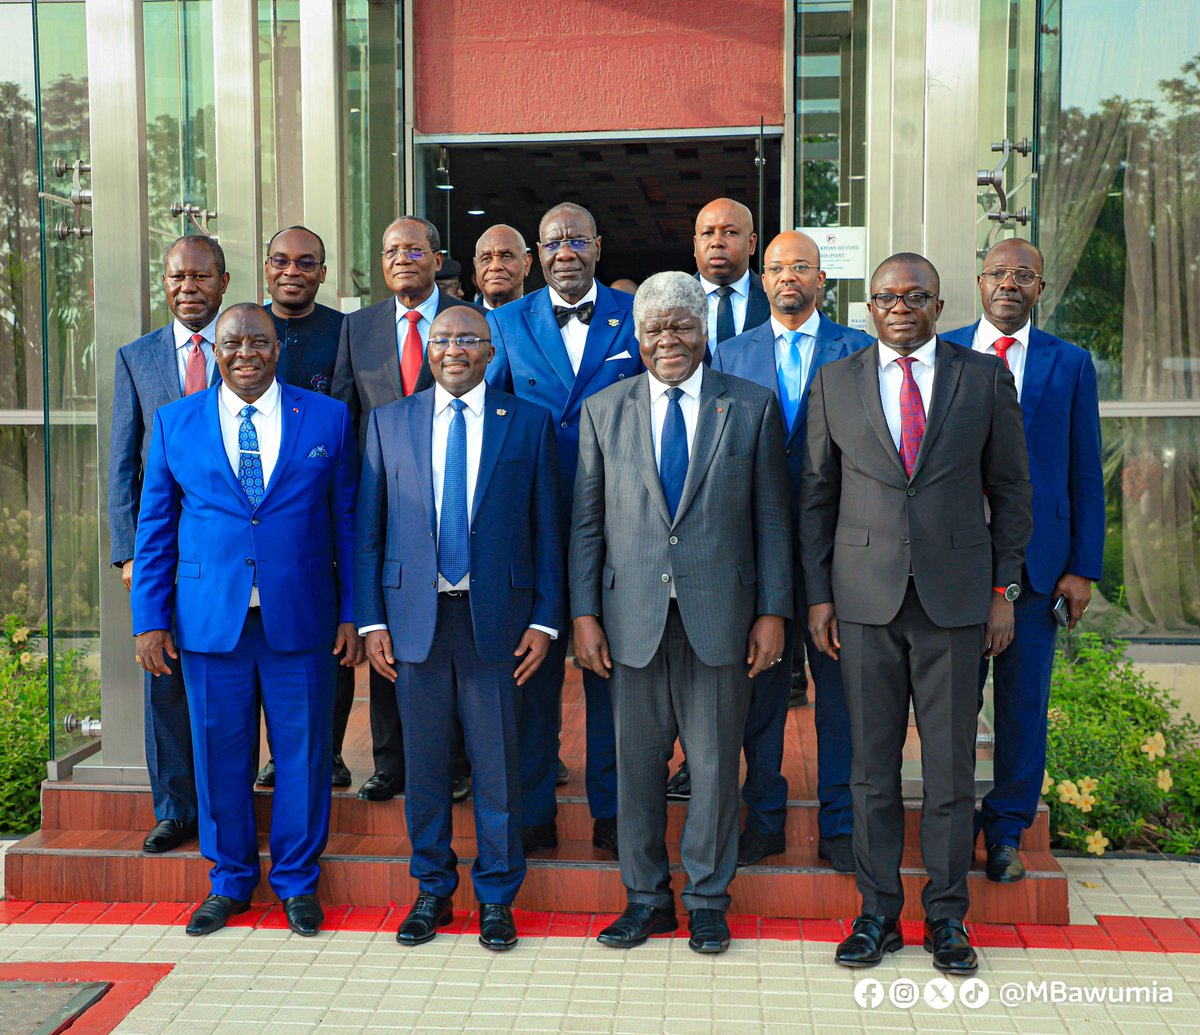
{"points": [[865, 524], [146, 377], [728, 551], [516, 548], [752, 355], [367, 373], [531, 362], [1061, 417], [199, 542]]}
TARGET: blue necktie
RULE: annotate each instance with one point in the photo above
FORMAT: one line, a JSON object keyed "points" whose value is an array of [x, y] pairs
{"points": [[673, 451], [725, 328], [454, 555], [791, 376], [250, 469]]}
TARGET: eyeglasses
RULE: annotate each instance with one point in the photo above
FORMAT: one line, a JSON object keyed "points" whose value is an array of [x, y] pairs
{"points": [[576, 244], [798, 268], [414, 254], [1022, 278], [470, 343], [913, 300], [305, 264]]}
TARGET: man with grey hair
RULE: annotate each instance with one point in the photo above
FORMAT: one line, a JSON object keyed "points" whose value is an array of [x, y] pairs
{"points": [[681, 579], [502, 262]]}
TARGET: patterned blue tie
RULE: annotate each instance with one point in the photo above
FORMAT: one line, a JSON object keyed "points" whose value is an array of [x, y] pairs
{"points": [[250, 470], [791, 376], [454, 555], [673, 451]]}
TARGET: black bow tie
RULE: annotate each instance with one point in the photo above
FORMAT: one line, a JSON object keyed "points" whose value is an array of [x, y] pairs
{"points": [[583, 313]]}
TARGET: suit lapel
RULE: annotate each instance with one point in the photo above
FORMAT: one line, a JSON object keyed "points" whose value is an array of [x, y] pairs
{"points": [[543, 328], [495, 430], [1039, 360], [946, 371], [291, 417], [382, 331], [710, 424], [420, 434], [826, 349], [167, 364], [637, 406], [758, 307], [212, 422], [866, 364], [599, 337]]}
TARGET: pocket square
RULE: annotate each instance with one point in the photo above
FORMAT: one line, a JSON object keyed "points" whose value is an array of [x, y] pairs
{"points": [[623, 354], [317, 451]]}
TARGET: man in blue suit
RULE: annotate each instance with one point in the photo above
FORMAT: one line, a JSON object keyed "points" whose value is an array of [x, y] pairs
{"points": [[152, 371], [1056, 385], [783, 354], [245, 546], [459, 571], [555, 348]]}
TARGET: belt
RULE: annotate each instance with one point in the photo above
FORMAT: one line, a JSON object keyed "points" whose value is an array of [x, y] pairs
{"points": [[454, 594]]}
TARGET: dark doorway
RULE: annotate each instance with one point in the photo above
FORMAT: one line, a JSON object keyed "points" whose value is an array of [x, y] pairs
{"points": [[644, 194]]}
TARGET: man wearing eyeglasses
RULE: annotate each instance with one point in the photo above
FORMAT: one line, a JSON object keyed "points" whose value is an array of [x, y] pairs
{"points": [[381, 358], [460, 565], [555, 348], [784, 355], [1056, 385], [907, 582]]}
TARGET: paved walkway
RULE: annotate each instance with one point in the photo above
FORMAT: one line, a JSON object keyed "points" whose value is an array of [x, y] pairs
{"points": [[266, 980]]}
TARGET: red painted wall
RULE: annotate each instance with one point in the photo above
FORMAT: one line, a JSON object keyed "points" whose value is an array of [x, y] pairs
{"points": [[532, 66]]}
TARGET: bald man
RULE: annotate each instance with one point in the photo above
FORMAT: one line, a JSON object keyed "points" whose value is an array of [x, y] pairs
{"points": [[502, 262], [783, 355], [724, 241]]}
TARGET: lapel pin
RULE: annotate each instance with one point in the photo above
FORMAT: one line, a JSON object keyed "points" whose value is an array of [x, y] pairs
{"points": [[501, 412], [720, 409], [295, 409], [614, 322]]}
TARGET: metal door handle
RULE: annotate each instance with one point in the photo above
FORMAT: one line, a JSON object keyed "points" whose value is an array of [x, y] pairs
{"points": [[994, 178], [186, 208]]}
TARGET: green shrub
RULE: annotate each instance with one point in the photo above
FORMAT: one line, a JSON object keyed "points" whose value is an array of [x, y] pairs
{"points": [[1122, 766]]}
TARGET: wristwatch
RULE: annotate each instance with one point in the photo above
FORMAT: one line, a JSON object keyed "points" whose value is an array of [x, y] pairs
{"points": [[1009, 592]]}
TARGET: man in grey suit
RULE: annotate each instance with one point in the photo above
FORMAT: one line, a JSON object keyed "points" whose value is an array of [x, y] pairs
{"points": [[158, 368], [681, 579], [907, 579]]}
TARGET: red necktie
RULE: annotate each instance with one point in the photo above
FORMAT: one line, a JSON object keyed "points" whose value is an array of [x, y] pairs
{"points": [[912, 416], [410, 358], [195, 376], [1002, 346]]}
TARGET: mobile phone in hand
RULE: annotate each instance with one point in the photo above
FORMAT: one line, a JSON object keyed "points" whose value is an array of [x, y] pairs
{"points": [[1061, 611]]}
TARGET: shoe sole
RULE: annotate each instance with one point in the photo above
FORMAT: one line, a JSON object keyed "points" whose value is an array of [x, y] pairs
{"points": [[706, 948], [170, 848], [888, 947], [442, 921], [622, 943], [498, 946], [213, 930], [950, 970], [303, 934]]}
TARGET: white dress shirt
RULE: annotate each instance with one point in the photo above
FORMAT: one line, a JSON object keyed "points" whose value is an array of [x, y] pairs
{"points": [[427, 309], [891, 377], [183, 345], [808, 343], [268, 426], [985, 342], [739, 298], [574, 334]]}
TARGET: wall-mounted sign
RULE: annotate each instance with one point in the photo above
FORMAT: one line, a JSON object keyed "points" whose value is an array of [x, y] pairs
{"points": [[858, 318], [843, 250]]}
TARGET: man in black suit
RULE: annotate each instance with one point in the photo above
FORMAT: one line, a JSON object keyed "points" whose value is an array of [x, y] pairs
{"points": [[907, 578], [381, 358], [724, 241]]}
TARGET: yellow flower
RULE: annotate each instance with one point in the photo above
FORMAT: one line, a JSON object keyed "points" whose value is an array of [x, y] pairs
{"points": [[19, 636], [1067, 792], [1096, 842], [1088, 785], [1155, 746], [1165, 780], [26, 659], [1047, 782], [1084, 802]]}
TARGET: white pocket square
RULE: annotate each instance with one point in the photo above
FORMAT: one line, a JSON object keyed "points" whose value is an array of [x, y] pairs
{"points": [[623, 354]]}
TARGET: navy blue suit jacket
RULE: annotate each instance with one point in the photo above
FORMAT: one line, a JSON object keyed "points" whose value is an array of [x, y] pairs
{"points": [[200, 543], [146, 377], [531, 362], [516, 565], [1062, 432], [751, 355]]}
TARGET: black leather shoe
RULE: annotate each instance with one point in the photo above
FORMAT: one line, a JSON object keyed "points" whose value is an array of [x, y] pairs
{"points": [[304, 914], [679, 787], [213, 913], [951, 948], [636, 924], [562, 775], [838, 852], [427, 914], [341, 773], [1004, 864], [604, 835], [543, 835], [381, 787], [754, 845], [708, 929], [460, 790], [871, 937], [497, 930], [266, 775], [167, 834]]}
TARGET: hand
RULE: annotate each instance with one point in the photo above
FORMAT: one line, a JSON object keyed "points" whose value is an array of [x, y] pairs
{"points": [[349, 641], [379, 653], [999, 632], [127, 575], [1078, 592], [823, 628], [153, 649], [764, 649], [534, 645], [591, 646]]}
